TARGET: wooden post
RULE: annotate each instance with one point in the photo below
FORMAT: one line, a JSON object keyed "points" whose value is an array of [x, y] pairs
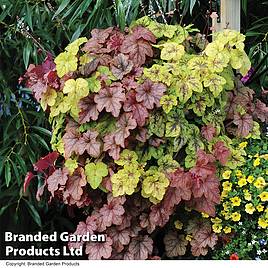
{"points": [[230, 12]]}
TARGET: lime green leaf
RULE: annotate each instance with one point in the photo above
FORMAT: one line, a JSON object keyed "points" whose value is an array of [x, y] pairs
{"points": [[71, 164], [95, 173], [74, 46], [126, 180], [94, 84], [167, 102], [171, 51], [65, 62], [154, 185]]}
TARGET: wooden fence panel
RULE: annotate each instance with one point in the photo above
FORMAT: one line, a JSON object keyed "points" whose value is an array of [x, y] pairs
{"points": [[230, 16]]}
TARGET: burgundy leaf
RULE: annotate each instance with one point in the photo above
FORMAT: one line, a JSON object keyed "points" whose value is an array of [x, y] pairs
{"points": [[150, 93], [39, 78], [29, 176], [70, 140], [58, 177], [159, 215], [208, 132], [142, 135], [115, 41], [111, 146], [129, 83], [83, 228], [97, 251], [261, 111], [119, 237], [87, 227], [90, 67], [244, 124], [137, 49], [111, 99], [173, 196], [182, 181], [39, 89], [205, 166], [142, 32], [146, 223], [124, 125], [204, 238], [209, 187], [141, 247], [89, 143], [203, 204], [112, 213], [101, 35], [88, 110], [221, 152], [75, 183], [126, 222], [121, 66], [46, 162], [175, 245], [139, 112]]}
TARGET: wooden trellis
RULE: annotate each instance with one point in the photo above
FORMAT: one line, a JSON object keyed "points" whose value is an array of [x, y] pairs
{"points": [[229, 17]]}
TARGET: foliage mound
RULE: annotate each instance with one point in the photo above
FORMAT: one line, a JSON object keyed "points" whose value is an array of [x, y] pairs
{"points": [[143, 121]]}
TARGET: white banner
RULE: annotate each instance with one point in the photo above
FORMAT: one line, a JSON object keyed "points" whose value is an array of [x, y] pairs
{"points": [[133, 264]]}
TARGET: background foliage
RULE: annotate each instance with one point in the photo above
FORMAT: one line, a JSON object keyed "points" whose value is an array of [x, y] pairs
{"points": [[29, 29]]}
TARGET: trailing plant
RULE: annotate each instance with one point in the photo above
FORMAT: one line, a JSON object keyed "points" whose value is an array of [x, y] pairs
{"points": [[142, 122], [242, 218]]}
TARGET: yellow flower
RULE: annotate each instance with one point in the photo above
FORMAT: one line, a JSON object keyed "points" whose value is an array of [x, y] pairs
{"points": [[263, 223], [242, 182], [217, 228], [259, 183], [227, 216], [226, 174], [239, 173], [260, 208], [226, 206], [178, 225], [256, 162], [204, 215], [236, 216], [256, 155], [189, 237], [249, 208], [250, 179], [242, 145], [235, 201], [216, 220], [264, 196], [264, 156], [224, 194], [247, 195], [227, 186], [223, 212], [227, 229]]}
